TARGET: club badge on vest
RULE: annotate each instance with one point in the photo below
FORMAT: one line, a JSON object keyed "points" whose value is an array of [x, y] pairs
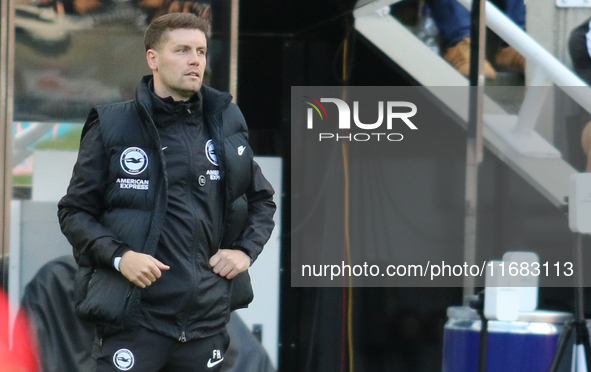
{"points": [[210, 153], [123, 359], [134, 161]]}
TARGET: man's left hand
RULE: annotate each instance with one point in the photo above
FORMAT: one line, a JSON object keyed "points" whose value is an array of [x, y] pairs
{"points": [[229, 262]]}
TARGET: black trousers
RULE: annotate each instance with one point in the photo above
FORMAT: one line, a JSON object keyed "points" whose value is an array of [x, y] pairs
{"points": [[141, 350]]}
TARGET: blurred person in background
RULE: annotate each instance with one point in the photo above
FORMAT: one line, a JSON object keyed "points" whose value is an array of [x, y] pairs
{"points": [[579, 46], [22, 355], [453, 22]]}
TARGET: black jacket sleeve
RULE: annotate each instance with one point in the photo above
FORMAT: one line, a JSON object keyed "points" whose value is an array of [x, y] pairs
{"points": [[259, 223], [80, 209], [261, 208]]}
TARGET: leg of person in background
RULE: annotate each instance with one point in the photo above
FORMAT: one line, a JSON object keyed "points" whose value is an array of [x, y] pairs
{"points": [[579, 44], [579, 47], [507, 57], [453, 23], [586, 143]]}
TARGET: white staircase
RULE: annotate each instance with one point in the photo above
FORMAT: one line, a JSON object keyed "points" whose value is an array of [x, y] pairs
{"points": [[510, 137]]}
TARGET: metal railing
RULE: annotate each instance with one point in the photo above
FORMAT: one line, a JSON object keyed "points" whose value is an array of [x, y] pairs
{"points": [[548, 69]]}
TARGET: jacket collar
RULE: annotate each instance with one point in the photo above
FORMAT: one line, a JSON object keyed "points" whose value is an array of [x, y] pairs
{"points": [[167, 111], [214, 101]]}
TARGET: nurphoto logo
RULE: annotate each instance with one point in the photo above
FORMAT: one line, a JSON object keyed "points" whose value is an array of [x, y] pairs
{"points": [[400, 111]]}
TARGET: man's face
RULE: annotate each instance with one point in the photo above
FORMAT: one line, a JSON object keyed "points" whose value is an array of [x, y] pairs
{"points": [[178, 63]]}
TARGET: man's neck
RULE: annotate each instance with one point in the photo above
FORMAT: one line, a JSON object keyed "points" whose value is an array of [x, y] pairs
{"points": [[165, 96]]}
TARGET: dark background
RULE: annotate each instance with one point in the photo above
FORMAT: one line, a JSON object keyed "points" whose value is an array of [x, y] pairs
{"points": [[288, 43]]}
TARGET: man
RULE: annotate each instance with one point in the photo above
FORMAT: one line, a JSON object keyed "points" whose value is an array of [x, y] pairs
{"points": [[165, 211]]}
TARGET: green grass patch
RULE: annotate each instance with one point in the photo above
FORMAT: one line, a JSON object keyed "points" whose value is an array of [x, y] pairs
{"points": [[22, 180], [69, 141]]}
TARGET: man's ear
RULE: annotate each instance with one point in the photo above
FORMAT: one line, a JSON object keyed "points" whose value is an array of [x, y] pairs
{"points": [[152, 58]]}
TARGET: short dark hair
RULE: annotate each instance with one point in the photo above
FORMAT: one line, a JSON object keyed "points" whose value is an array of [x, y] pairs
{"points": [[173, 21]]}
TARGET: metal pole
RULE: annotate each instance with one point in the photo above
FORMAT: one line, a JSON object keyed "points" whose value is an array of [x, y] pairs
{"points": [[7, 12], [483, 346], [582, 332], [474, 139], [6, 104], [233, 89], [3, 93]]}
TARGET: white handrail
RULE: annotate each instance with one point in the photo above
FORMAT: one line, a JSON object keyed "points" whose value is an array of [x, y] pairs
{"points": [[558, 73]]}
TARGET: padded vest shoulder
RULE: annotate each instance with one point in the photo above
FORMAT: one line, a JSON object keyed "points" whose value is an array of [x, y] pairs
{"points": [[122, 124]]}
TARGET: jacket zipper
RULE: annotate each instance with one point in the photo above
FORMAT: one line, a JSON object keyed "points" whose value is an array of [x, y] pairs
{"points": [[156, 137], [188, 143], [153, 132]]}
